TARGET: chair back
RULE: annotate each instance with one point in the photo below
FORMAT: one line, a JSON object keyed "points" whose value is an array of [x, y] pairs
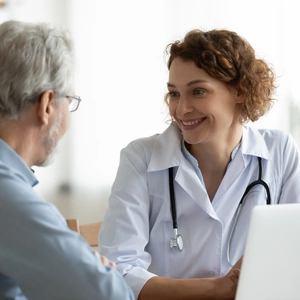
{"points": [[88, 231]]}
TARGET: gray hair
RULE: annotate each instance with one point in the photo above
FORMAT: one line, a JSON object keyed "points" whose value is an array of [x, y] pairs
{"points": [[33, 58]]}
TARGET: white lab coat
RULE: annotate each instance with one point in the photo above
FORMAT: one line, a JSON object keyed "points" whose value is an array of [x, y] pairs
{"points": [[137, 227]]}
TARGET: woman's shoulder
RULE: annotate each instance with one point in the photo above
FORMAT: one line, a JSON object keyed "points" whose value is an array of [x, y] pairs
{"points": [[143, 142], [171, 133], [277, 139], [270, 133]]}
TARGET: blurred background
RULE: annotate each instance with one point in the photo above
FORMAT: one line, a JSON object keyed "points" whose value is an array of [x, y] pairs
{"points": [[121, 77]]}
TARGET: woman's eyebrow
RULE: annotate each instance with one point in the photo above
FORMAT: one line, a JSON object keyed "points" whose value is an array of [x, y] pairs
{"points": [[169, 84], [195, 82]]}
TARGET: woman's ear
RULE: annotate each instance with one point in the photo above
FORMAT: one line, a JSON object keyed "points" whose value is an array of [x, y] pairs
{"points": [[240, 98], [46, 106]]}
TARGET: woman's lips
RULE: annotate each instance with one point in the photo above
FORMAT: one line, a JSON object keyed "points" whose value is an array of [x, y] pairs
{"points": [[191, 124]]}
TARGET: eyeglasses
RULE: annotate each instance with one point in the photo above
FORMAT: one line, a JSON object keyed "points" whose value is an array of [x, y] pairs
{"points": [[74, 104]]}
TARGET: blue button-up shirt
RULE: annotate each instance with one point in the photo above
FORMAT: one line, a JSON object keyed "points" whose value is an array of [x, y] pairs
{"points": [[40, 258]]}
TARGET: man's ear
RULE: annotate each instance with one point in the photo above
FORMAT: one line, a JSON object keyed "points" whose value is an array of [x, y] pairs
{"points": [[46, 106]]}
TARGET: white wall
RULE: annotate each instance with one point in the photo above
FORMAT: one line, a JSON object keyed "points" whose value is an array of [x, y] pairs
{"points": [[121, 76]]}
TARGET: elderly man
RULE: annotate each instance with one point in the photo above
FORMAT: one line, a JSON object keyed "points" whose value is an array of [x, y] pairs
{"points": [[40, 258]]}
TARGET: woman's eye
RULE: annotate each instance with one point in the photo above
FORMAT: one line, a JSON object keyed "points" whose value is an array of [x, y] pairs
{"points": [[173, 95], [199, 92]]}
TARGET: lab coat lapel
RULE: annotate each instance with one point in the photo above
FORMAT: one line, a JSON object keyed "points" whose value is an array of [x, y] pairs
{"points": [[252, 145], [233, 171], [187, 178]]}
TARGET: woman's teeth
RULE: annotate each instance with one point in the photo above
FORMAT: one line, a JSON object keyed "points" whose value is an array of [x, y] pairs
{"points": [[190, 123]]}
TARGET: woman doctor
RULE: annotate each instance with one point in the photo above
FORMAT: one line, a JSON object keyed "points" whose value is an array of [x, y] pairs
{"points": [[215, 85]]}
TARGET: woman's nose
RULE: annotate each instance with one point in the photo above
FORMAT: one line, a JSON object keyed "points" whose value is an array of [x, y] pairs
{"points": [[184, 106]]}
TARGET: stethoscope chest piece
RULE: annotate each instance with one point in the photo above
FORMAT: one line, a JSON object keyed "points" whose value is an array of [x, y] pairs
{"points": [[176, 242]]}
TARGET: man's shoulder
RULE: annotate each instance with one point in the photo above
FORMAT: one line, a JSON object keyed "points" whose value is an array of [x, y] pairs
{"points": [[12, 181], [17, 197]]}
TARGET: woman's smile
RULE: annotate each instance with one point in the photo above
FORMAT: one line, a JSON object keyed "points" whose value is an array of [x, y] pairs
{"points": [[191, 124]]}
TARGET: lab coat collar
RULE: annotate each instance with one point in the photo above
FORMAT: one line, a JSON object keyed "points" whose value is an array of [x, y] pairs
{"points": [[167, 149], [253, 143]]}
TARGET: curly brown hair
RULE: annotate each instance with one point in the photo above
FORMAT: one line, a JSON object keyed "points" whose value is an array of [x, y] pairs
{"points": [[229, 58]]}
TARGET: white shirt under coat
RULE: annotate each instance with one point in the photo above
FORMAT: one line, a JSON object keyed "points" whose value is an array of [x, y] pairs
{"points": [[138, 224]]}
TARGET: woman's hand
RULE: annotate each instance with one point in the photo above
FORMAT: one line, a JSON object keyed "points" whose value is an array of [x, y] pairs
{"points": [[227, 285]]}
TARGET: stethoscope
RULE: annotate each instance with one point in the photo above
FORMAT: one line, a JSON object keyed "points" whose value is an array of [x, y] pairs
{"points": [[177, 241]]}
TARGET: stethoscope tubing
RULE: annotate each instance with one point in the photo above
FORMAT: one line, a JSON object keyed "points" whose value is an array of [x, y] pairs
{"points": [[237, 213], [241, 203], [172, 198]]}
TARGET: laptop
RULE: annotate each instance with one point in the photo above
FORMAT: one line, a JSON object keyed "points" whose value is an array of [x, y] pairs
{"points": [[271, 265]]}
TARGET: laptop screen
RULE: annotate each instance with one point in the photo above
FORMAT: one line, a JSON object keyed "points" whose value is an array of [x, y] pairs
{"points": [[271, 263]]}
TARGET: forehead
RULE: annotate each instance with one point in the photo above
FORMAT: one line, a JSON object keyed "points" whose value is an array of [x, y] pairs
{"points": [[183, 72]]}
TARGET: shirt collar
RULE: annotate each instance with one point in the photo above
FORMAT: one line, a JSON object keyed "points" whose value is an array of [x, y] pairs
{"points": [[11, 159]]}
